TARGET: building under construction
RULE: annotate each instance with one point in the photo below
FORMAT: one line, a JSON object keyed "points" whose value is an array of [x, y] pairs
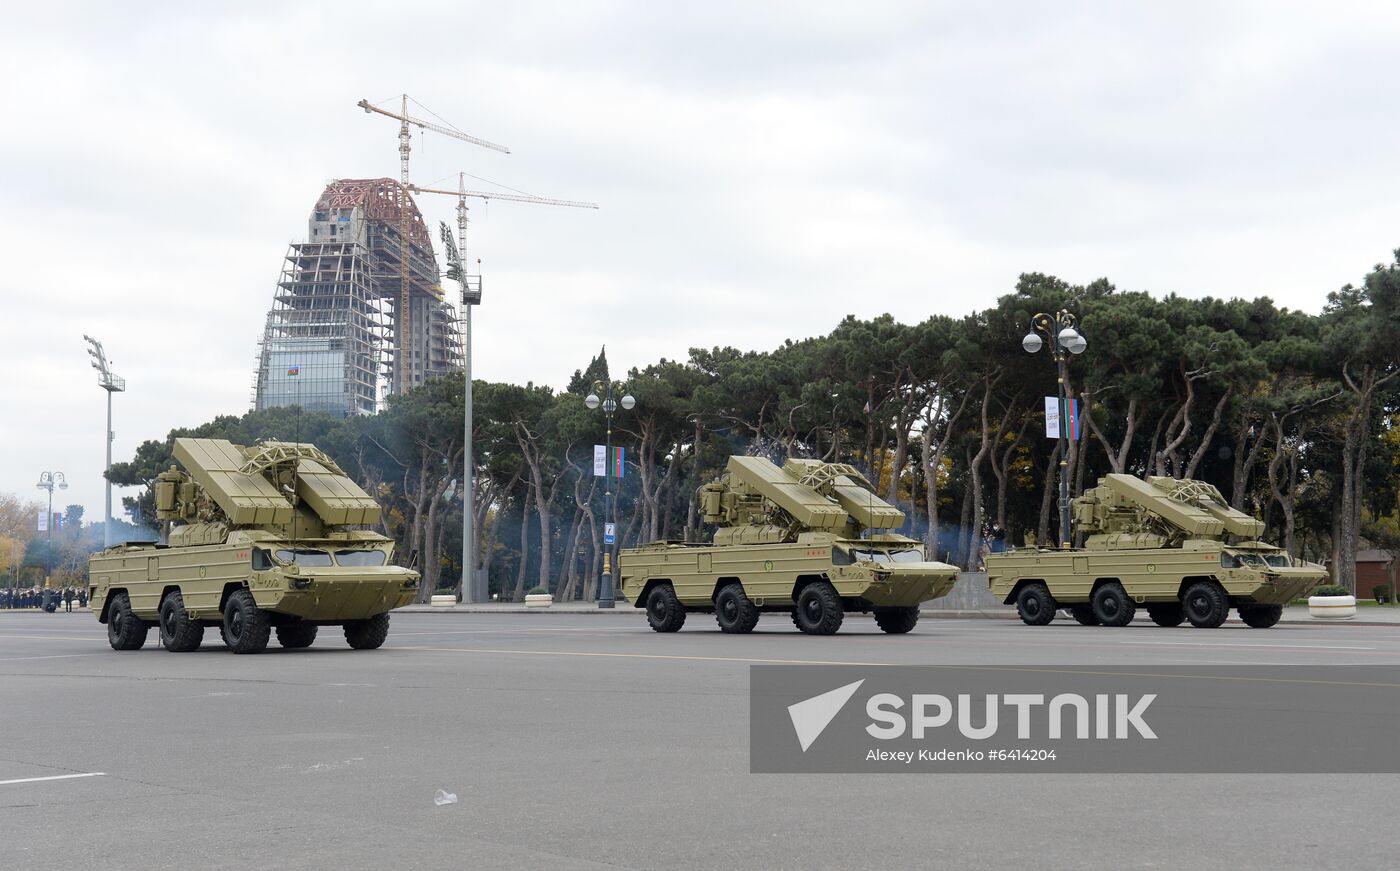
{"points": [[333, 330]]}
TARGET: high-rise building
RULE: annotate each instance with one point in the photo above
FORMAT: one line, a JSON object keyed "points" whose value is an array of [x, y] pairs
{"points": [[331, 337]]}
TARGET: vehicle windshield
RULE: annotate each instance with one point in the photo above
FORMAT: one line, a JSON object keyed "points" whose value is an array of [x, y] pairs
{"points": [[360, 557], [305, 557], [888, 556], [1238, 560], [1278, 560]]}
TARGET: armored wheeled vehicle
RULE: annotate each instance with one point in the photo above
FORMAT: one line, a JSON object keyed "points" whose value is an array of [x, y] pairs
{"points": [[267, 538], [1175, 547], [807, 538]]}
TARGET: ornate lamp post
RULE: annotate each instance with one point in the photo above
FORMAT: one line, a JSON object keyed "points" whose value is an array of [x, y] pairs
{"points": [[1059, 330], [47, 481], [112, 383], [609, 404]]}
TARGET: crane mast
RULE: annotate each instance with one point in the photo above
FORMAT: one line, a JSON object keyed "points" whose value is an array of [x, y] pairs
{"points": [[402, 381]]}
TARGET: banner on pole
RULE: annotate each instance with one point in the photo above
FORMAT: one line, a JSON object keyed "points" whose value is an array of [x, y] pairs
{"points": [[58, 520], [600, 461], [618, 464], [1055, 410], [43, 521]]}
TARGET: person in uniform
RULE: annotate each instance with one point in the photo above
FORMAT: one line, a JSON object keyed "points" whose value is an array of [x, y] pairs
{"points": [[68, 599]]}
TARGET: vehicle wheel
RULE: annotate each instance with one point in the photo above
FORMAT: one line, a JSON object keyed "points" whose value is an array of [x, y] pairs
{"points": [[125, 631], [665, 613], [1260, 616], [1166, 613], [818, 610], [1083, 615], [1205, 605], [734, 611], [296, 635], [1034, 604], [367, 634], [178, 633], [246, 626], [1112, 605], [897, 621]]}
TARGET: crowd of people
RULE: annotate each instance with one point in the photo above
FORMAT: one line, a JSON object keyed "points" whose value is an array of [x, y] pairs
{"points": [[51, 599]]}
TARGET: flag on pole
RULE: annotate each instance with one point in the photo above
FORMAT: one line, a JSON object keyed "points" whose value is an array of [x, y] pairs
{"points": [[1072, 419], [293, 371], [618, 463], [58, 520]]}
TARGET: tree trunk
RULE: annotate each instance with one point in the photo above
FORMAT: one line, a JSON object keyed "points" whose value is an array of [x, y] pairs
{"points": [[1047, 494], [521, 569]]}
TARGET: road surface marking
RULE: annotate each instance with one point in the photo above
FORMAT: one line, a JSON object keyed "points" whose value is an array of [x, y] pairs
{"points": [[54, 777], [1232, 644]]}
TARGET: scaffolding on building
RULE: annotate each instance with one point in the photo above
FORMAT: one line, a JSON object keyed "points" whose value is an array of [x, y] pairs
{"points": [[329, 338]]}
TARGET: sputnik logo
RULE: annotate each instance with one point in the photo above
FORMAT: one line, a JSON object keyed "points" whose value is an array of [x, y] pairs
{"points": [[811, 717]]}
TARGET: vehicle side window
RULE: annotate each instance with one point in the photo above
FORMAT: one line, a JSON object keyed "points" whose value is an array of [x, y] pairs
{"points": [[1228, 562], [840, 557], [262, 560]]}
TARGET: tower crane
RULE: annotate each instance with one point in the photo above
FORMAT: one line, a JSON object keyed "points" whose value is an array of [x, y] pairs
{"points": [[470, 297], [401, 379]]}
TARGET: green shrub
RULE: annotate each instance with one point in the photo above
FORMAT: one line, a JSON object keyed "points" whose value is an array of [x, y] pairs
{"points": [[1382, 592], [1331, 590], [536, 591]]}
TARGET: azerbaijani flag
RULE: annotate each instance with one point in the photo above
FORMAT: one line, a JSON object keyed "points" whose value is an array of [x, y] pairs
{"points": [[617, 462], [1071, 416], [293, 371]]}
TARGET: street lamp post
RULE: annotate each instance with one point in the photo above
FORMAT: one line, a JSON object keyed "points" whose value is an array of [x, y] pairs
{"points": [[1065, 340], [47, 481], [112, 383], [609, 404]]}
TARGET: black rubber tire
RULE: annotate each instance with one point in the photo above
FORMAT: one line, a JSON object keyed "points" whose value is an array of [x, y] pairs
{"points": [[1166, 614], [897, 621], [818, 610], [1034, 604], [1083, 615], [125, 631], [246, 626], [295, 636], [735, 612], [178, 633], [1112, 605], [665, 613], [1260, 616], [367, 634], [1205, 605]]}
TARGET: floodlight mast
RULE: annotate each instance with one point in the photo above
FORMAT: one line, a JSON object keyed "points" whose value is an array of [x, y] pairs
{"points": [[112, 383]]}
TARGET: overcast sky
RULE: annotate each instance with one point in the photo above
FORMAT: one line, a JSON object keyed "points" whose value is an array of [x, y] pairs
{"points": [[763, 170]]}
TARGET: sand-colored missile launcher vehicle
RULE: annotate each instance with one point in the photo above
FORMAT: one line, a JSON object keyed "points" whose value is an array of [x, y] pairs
{"points": [[268, 537], [806, 538], [1175, 547]]}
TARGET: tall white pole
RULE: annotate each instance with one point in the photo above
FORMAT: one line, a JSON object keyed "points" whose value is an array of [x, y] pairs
{"points": [[470, 593], [107, 522]]}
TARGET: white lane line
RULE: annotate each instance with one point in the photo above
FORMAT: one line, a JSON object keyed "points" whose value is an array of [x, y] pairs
{"points": [[54, 777], [1231, 644], [53, 656], [507, 629]]}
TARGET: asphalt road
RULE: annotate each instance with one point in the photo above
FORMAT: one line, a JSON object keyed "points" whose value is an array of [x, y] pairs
{"points": [[587, 741]]}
